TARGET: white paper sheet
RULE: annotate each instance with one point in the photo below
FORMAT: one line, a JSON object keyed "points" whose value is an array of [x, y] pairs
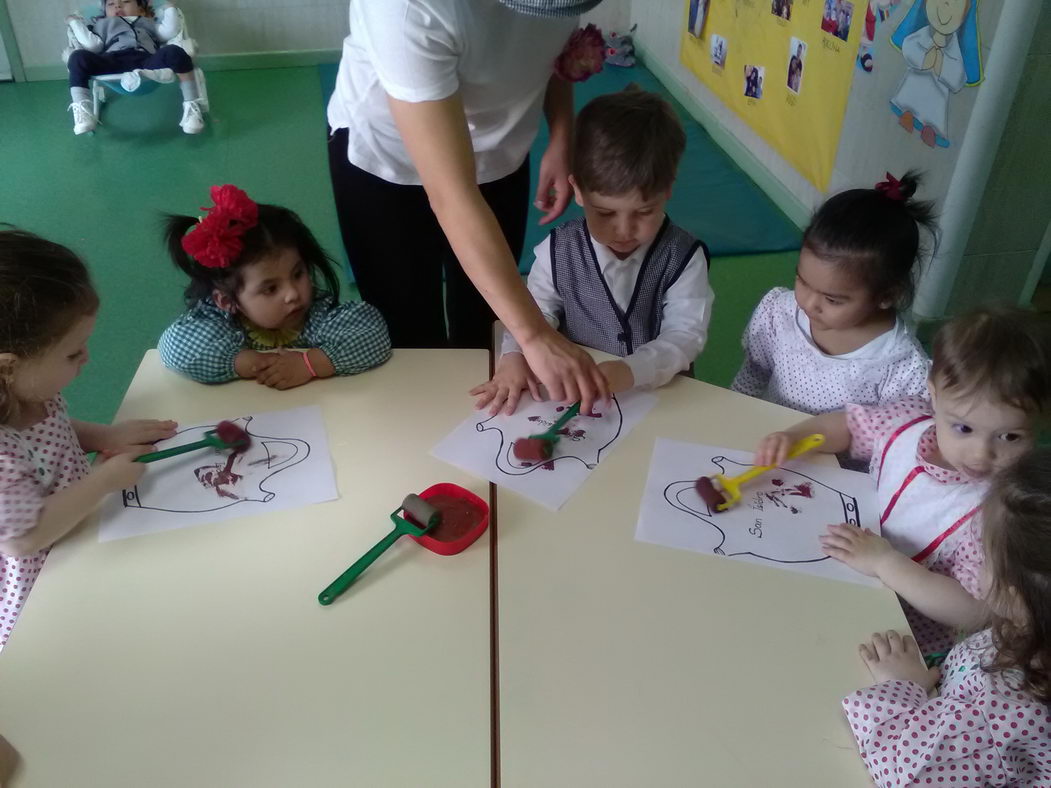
{"points": [[778, 520], [287, 465], [482, 445]]}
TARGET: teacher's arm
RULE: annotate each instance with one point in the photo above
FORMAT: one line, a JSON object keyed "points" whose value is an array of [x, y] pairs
{"points": [[436, 136], [552, 189]]}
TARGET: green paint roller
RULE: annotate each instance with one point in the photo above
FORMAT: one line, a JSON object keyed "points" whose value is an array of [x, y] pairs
{"points": [[413, 506]]}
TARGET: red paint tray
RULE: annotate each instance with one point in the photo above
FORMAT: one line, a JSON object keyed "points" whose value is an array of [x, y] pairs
{"points": [[465, 517]]}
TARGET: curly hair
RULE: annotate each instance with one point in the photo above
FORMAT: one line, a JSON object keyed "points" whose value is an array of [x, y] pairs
{"points": [[1017, 539]]}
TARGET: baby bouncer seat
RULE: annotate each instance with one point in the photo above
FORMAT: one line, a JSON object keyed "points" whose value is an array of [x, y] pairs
{"points": [[140, 81]]}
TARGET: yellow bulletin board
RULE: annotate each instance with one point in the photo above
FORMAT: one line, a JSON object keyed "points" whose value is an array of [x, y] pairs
{"points": [[747, 53]]}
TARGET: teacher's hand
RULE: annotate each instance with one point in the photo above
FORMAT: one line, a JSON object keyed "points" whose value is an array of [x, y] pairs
{"points": [[567, 371], [552, 189]]}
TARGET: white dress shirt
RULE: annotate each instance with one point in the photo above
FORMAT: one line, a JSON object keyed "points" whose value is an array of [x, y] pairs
{"points": [[686, 310]]}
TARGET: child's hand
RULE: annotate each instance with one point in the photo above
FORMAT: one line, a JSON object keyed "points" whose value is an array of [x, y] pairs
{"points": [[248, 363], [127, 436], [618, 375], [861, 550], [891, 657], [773, 449], [284, 369], [505, 389], [121, 471]]}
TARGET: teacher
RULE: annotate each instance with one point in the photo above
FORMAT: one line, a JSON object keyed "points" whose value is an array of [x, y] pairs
{"points": [[436, 105]]}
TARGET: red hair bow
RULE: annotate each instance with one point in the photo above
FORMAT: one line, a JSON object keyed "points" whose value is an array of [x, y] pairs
{"points": [[215, 241], [891, 188]]}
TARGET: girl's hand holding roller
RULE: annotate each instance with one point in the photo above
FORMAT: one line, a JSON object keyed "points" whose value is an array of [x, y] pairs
{"points": [[129, 436]]}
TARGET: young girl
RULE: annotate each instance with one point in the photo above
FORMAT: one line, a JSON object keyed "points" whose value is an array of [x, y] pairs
{"points": [[123, 39], [989, 723], [256, 307], [837, 337], [47, 313], [990, 389]]}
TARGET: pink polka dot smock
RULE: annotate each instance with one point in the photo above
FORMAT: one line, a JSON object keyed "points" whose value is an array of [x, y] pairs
{"points": [[34, 463], [983, 729]]}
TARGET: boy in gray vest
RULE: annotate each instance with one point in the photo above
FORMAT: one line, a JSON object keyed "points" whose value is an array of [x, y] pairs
{"points": [[623, 279]]}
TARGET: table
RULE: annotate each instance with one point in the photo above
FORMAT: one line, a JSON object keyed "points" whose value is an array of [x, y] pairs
{"points": [[201, 657], [629, 664]]}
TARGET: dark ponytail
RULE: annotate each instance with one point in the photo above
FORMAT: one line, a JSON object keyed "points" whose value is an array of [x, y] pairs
{"points": [[876, 234], [276, 229]]}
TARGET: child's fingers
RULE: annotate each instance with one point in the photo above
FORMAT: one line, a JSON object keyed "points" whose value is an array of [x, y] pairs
{"points": [[894, 642], [879, 643], [908, 645], [866, 652], [534, 387], [484, 397], [481, 388], [512, 400], [498, 400]]}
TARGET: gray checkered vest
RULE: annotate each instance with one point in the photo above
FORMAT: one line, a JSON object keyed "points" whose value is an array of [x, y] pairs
{"points": [[592, 317]]}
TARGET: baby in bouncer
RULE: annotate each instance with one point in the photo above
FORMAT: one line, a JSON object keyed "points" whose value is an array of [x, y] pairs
{"points": [[129, 39]]}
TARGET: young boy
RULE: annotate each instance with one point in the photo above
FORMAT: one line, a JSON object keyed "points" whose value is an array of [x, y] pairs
{"points": [[990, 382], [623, 279], [127, 40]]}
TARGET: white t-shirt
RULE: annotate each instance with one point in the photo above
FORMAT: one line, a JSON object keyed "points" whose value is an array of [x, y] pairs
{"points": [[426, 50], [783, 365]]}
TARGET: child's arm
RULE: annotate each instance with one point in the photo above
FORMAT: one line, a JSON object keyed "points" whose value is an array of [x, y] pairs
{"points": [[205, 345], [686, 310], [893, 718], [353, 337], [773, 449], [117, 438], [936, 596], [85, 36], [169, 24], [62, 511], [758, 366]]}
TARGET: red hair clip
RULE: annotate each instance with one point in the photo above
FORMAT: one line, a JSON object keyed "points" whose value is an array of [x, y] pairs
{"points": [[891, 188], [215, 241]]}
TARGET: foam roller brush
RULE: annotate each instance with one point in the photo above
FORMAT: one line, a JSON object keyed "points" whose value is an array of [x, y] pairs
{"points": [[539, 448], [413, 506], [226, 435], [721, 492]]}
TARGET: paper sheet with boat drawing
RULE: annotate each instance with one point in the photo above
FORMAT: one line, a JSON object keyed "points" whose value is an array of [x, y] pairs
{"points": [[287, 465], [778, 520], [482, 445]]}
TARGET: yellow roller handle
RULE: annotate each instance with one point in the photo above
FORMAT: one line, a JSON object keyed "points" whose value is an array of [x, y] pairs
{"points": [[732, 485]]}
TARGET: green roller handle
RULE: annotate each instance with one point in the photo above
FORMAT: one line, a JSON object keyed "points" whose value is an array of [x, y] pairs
{"points": [[210, 439], [552, 434], [343, 582], [413, 505]]}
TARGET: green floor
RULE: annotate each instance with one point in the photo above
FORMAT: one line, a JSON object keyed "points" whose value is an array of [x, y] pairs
{"points": [[105, 195]]}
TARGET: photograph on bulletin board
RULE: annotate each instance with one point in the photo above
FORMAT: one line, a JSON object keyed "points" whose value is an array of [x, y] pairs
{"points": [[784, 66]]}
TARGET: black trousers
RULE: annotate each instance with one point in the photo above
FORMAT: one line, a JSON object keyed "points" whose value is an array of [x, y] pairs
{"points": [[83, 64], [398, 252]]}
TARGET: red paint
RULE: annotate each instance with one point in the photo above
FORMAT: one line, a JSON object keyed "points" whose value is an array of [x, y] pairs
{"points": [[804, 490], [459, 516], [532, 450], [480, 520], [218, 477], [776, 482]]}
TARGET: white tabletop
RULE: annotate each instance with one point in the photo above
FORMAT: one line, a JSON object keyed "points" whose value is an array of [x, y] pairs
{"points": [[201, 657], [630, 664]]}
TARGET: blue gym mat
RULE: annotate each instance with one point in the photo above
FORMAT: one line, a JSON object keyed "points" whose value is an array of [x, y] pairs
{"points": [[713, 198]]}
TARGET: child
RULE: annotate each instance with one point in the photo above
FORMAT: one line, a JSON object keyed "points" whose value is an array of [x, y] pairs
{"points": [[126, 38], [837, 337], [47, 313], [254, 293], [989, 723], [623, 279], [989, 384]]}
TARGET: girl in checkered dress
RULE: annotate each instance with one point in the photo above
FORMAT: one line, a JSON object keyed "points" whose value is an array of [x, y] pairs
{"points": [[47, 313], [263, 300]]}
